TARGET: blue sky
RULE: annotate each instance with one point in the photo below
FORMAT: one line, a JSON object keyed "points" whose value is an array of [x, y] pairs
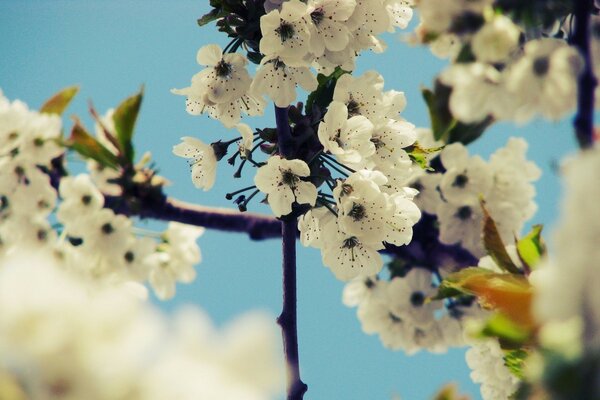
{"points": [[110, 48]]}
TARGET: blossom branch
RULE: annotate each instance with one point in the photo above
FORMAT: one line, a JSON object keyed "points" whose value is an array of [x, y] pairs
{"points": [[584, 120], [287, 319], [257, 226]]}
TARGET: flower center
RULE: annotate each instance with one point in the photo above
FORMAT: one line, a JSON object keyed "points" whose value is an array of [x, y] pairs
{"points": [[357, 212], [460, 181], [289, 178], [350, 243], [107, 228], [417, 299], [317, 16], [377, 142], [353, 107], [223, 69], [285, 31], [541, 65], [464, 213], [129, 257]]}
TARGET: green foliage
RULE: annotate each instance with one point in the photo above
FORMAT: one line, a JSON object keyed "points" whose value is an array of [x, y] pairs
{"points": [[420, 155], [89, 147], [444, 126], [514, 361], [510, 335], [211, 16], [124, 118], [58, 103], [494, 245], [531, 248], [323, 95]]}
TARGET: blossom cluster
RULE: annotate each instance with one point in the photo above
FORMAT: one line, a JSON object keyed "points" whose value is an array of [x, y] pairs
{"points": [[502, 70], [505, 183], [63, 337], [94, 241], [296, 36]]}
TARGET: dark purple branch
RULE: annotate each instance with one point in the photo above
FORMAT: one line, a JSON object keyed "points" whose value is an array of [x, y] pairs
{"points": [[584, 120], [284, 133], [287, 319], [257, 226]]}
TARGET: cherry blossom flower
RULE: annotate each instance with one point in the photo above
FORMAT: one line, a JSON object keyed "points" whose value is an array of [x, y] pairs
{"points": [[202, 159], [280, 180]]}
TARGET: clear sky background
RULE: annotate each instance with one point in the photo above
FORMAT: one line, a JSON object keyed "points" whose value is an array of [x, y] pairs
{"points": [[110, 48]]}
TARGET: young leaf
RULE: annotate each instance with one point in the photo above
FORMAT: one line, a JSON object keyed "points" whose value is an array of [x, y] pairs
{"points": [[89, 147], [439, 114], [419, 155], [494, 245], [124, 117], [531, 248], [58, 103], [507, 331], [514, 361], [323, 95], [509, 294], [213, 15]]}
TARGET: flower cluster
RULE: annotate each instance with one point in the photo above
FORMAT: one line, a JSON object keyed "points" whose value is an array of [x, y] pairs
{"points": [[296, 36], [94, 241], [502, 70], [401, 312], [504, 183], [62, 337]]}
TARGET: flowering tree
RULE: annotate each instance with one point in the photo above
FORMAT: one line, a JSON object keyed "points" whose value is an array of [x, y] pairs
{"points": [[428, 237]]}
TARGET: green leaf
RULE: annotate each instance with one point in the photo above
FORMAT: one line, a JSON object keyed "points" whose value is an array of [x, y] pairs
{"points": [[439, 114], [89, 147], [531, 248], [58, 103], [509, 333], [124, 118], [515, 360], [211, 16], [494, 245], [443, 125], [323, 95], [419, 155]]}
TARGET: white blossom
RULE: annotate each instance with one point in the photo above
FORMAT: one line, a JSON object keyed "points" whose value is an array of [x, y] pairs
{"points": [[279, 80], [221, 89], [544, 80], [496, 40], [285, 33], [280, 180], [202, 159]]}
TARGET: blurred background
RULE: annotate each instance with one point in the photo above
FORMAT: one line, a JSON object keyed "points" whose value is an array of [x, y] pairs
{"points": [[110, 48]]}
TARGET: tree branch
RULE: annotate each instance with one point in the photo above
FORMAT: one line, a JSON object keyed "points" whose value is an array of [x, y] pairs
{"points": [[257, 226], [584, 120], [287, 319]]}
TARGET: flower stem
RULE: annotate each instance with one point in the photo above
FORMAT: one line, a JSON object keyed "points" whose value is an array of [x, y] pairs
{"points": [[287, 319], [584, 119]]}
